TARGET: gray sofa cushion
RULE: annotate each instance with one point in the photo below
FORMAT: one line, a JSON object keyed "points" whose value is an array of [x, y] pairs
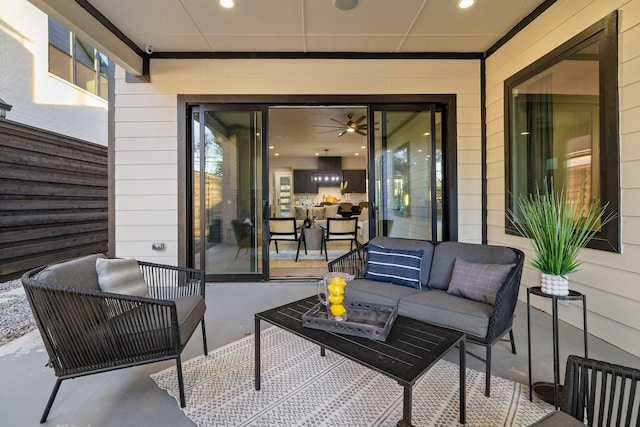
{"points": [[442, 309], [410, 244], [365, 290], [445, 254], [76, 273]]}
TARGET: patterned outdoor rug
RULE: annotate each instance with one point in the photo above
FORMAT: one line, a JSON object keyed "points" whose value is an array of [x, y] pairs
{"points": [[301, 388]]}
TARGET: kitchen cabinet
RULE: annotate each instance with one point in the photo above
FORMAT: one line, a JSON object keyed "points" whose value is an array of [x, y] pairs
{"points": [[357, 179], [302, 181]]}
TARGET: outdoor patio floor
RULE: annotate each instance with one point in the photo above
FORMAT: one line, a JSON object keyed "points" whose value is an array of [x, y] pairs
{"points": [[130, 398]]}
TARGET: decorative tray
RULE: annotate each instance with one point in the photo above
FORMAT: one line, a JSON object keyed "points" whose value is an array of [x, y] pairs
{"points": [[373, 321]]}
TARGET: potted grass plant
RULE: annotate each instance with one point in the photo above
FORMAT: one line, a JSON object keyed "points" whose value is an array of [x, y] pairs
{"points": [[558, 228]]}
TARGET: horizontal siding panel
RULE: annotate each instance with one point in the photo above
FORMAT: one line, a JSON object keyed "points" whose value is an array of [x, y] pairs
{"points": [[152, 157], [147, 114], [125, 218], [146, 172], [144, 202], [25, 219], [152, 100], [134, 233], [146, 129], [166, 143], [146, 187]]}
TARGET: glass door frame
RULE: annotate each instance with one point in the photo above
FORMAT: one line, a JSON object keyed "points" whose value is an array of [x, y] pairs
{"points": [[450, 163], [263, 103], [259, 170]]}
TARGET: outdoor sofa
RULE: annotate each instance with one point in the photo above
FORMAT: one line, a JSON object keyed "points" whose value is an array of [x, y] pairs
{"points": [[97, 314], [468, 287]]}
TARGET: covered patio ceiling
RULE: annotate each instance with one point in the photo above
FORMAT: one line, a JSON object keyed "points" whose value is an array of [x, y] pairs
{"points": [[130, 33]]}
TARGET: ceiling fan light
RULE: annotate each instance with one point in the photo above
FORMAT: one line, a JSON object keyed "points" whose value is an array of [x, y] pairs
{"points": [[228, 4], [350, 129], [465, 4]]}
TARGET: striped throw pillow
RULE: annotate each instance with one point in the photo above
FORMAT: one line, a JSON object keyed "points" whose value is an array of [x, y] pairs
{"points": [[398, 266]]}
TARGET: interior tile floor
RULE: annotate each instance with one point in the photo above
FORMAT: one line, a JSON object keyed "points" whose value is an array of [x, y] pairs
{"points": [[129, 397]]}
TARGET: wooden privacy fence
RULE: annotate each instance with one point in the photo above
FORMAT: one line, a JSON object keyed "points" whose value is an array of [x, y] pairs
{"points": [[53, 198]]}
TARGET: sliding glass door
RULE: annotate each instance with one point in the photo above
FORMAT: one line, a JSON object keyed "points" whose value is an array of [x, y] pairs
{"points": [[227, 194], [409, 171]]}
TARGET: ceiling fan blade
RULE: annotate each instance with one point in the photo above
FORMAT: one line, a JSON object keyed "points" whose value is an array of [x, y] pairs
{"points": [[337, 121], [328, 126], [342, 133], [328, 131], [361, 132], [360, 119]]}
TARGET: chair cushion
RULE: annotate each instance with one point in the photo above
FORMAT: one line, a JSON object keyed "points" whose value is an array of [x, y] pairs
{"points": [[479, 282], [411, 244], [399, 266], [374, 292], [76, 273], [442, 309], [557, 419], [121, 276], [445, 254]]}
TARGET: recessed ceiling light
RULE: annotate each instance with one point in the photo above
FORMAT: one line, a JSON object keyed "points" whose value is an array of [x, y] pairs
{"points": [[277, 154], [362, 147], [357, 154], [317, 154], [228, 4], [465, 4]]}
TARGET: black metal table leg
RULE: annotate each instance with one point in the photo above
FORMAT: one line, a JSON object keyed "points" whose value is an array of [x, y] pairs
{"points": [[463, 381], [257, 352], [407, 404], [556, 354]]}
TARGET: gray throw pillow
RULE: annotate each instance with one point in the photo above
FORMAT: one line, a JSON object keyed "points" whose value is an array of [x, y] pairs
{"points": [[301, 213], [121, 276], [478, 282]]}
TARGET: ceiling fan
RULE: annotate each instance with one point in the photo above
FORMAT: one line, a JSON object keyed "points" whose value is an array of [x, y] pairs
{"points": [[349, 127]]}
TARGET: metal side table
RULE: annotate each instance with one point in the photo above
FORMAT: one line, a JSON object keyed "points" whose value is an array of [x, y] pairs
{"points": [[552, 392]]}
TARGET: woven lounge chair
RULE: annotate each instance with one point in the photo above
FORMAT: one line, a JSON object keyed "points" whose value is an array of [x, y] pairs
{"points": [[597, 393], [88, 331]]}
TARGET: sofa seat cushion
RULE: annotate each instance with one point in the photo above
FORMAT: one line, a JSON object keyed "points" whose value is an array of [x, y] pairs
{"points": [[445, 254], [413, 245], [77, 273], [365, 290], [442, 309]]}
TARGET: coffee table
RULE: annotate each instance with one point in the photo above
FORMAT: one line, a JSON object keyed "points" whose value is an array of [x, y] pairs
{"points": [[410, 350]]}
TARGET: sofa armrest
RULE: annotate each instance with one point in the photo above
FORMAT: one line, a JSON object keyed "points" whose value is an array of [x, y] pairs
{"points": [[166, 281], [506, 298], [353, 262]]}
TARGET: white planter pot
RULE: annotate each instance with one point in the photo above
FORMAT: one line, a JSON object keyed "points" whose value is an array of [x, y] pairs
{"points": [[554, 285]]}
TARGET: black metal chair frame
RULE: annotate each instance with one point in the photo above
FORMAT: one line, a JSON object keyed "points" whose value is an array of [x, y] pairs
{"points": [[500, 322], [332, 236], [82, 336], [602, 393], [297, 232]]}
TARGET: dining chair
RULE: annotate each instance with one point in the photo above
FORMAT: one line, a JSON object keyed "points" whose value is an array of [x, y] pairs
{"points": [[286, 229], [340, 229]]}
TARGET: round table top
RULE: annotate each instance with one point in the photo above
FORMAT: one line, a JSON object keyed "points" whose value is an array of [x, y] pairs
{"points": [[537, 290]]}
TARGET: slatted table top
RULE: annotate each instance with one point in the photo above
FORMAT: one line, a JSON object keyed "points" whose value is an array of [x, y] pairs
{"points": [[410, 350]]}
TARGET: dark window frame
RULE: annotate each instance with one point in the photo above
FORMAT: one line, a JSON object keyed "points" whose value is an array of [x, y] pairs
{"points": [[605, 32], [98, 65]]}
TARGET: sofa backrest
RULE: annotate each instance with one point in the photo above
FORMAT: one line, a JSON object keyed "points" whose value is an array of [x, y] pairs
{"points": [[445, 254], [75, 273], [413, 245]]}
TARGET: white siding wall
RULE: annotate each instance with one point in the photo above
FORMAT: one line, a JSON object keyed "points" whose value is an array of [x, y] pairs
{"points": [[146, 128], [609, 280], [41, 99]]}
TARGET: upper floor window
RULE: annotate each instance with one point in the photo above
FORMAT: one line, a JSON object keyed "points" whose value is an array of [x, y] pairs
{"points": [[76, 61], [561, 123]]}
